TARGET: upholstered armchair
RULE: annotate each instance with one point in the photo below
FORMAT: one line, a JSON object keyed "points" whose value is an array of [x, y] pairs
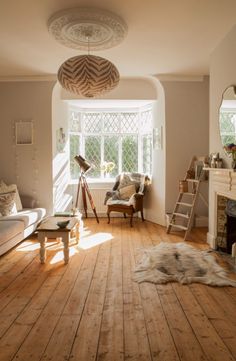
{"points": [[127, 195]]}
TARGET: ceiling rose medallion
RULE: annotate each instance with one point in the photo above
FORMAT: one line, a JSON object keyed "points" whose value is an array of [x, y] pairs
{"points": [[87, 29], [69, 27]]}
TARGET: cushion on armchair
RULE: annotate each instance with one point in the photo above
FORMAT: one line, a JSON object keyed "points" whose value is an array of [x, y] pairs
{"points": [[127, 192], [126, 179]]}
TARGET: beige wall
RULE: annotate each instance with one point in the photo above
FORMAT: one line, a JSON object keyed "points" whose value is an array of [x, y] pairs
{"points": [[156, 198], [180, 108], [187, 124], [30, 166], [60, 161], [222, 75]]}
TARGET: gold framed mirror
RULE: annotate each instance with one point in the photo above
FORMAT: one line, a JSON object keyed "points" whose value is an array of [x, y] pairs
{"points": [[227, 117]]}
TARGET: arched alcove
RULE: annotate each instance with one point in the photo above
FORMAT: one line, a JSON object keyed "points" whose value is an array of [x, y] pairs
{"points": [[129, 89]]}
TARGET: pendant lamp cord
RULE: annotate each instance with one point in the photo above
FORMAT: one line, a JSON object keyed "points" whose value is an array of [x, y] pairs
{"points": [[88, 38]]}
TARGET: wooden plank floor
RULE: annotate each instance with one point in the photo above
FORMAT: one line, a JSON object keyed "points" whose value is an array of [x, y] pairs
{"points": [[91, 309]]}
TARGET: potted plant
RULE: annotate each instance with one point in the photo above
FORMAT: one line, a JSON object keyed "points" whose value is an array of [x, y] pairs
{"points": [[231, 149]]}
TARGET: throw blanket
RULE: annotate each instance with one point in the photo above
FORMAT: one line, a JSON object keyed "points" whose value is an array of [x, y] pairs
{"points": [[179, 262], [126, 179]]}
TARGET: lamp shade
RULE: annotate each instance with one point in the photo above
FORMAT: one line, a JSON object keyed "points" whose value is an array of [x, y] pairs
{"points": [[88, 75], [84, 165]]}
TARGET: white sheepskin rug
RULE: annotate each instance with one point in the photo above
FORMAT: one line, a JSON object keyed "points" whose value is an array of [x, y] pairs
{"points": [[179, 262]]}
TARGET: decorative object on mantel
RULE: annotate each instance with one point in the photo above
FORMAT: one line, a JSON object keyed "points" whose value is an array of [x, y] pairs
{"points": [[231, 149], [181, 263], [215, 161], [85, 29]]}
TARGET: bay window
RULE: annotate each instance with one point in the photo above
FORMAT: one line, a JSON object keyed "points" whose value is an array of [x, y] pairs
{"points": [[122, 138]]}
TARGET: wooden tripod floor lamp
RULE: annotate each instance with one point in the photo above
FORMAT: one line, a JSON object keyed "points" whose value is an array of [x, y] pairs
{"points": [[84, 167]]}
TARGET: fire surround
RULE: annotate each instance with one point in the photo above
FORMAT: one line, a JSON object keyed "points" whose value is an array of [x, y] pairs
{"points": [[222, 182]]}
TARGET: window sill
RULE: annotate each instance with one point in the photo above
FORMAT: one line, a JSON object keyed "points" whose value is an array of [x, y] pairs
{"points": [[92, 181]]}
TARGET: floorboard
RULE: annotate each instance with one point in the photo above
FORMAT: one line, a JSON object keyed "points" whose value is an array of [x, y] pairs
{"points": [[92, 310]]}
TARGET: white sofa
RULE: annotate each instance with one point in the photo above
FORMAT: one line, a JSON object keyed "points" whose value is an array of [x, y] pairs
{"points": [[16, 227]]}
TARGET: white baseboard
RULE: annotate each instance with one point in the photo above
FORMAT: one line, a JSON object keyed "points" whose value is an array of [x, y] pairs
{"points": [[211, 240]]}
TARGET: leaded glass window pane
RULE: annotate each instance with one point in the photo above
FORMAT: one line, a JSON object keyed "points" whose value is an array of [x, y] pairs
{"points": [[130, 153], [93, 155], [147, 153], [74, 122], [129, 122], [146, 122], [74, 150], [111, 122], [92, 122], [111, 152]]}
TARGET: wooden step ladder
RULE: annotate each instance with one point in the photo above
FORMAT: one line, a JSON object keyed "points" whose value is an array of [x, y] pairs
{"points": [[186, 201]]}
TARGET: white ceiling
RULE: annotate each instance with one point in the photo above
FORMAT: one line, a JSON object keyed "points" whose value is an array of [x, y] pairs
{"points": [[164, 36]]}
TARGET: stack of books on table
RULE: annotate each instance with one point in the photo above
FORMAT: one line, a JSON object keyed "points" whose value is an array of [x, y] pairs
{"points": [[63, 214], [68, 214]]}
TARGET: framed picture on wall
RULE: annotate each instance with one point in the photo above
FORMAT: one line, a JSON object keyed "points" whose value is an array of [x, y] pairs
{"points": [[24, 132], [60, 140], [157, 138]]}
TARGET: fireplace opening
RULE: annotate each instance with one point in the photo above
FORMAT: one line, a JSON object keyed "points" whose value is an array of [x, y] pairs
{"points": [[226, 224], [230, 224]]}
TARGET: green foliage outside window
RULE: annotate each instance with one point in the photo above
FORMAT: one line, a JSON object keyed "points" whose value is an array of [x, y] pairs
{"points": [[93, 155], [111, 150], [130, 153], [228, 127]]}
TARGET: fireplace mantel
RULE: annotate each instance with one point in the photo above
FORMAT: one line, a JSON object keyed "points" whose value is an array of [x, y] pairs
{"points": [[222, 181], [220, 170]]}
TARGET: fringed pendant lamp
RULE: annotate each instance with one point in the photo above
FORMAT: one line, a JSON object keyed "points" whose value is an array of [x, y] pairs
{"points": [[88, 75]]}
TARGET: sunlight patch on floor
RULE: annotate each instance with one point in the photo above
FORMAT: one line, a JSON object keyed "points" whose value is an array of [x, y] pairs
{"points": [[59, 256], [94, 240], [28, 246]]}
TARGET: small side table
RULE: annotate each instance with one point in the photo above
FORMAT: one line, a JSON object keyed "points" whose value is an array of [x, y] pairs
{"points": [[49, 229]]}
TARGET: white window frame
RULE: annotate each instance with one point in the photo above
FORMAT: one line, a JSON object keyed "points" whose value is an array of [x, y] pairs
{"points": [[120, 134]]}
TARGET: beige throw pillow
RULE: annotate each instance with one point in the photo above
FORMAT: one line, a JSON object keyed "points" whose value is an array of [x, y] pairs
{"points": [[7, 203], [125, 180], [127, 192], [4, 188]]}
